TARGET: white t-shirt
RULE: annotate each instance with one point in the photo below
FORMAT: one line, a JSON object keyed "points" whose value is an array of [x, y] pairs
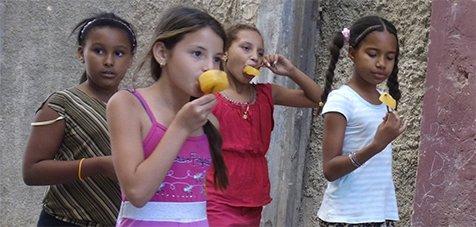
{"points": [[366, 194]]}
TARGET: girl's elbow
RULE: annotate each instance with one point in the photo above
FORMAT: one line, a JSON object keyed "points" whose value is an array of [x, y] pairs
{"points": [[329, 175], [138, 202], [330, 178], [136, 198], [29, 179]]}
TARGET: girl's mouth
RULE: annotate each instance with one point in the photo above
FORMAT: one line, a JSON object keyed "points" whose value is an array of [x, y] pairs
{"points": [[108, 74], [379, 75]]}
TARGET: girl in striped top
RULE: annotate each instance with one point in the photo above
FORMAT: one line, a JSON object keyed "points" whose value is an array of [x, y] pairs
{"points": [[69, 146], [357, 152]]}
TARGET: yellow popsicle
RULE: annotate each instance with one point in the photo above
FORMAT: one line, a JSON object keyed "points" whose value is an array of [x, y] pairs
{"points": [[251, 71], [388, 100], [213, 81]]}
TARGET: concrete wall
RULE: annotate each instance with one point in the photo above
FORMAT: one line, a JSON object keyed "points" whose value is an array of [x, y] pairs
{"points": [[38, 56], [289, 28], [446, 176], [411, 18]]}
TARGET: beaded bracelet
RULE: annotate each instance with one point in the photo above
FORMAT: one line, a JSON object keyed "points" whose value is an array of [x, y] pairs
{"points": [[79, 169]]}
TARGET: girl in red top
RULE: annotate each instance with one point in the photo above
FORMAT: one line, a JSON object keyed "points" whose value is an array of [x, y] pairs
{"points": [[245, 113]]}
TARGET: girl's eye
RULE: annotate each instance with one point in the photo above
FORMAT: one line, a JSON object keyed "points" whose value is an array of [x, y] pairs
{"points": [[217, 59], [119, 53], [99, 51], [261, 54], [390, 58], [372, 55], [197, 53], [245, 48]]}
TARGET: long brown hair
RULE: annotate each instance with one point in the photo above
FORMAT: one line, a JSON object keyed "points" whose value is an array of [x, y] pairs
{"points": [[174, 24]]}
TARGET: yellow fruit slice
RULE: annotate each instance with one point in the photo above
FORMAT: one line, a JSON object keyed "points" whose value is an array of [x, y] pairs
{"points": [[213, 81], [251, 71], [388, 100]]}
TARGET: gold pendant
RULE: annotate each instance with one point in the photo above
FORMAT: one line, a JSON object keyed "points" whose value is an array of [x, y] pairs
{"points": [[245, 114]]}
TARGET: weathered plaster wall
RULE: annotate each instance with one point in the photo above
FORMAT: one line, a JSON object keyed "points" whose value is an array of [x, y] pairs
{"points": [[412, 21], [37, 57], [40, 58], [289, 28], [446, 176]]}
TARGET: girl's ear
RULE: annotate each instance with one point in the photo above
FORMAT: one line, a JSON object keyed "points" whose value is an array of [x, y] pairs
{"points": [[160, 53], [225, 56], [352, 53], [81, 54]]}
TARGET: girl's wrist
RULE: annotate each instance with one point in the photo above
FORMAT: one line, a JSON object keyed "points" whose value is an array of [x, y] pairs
{"points": [[375, 147], [291, 73], [92, 166]]}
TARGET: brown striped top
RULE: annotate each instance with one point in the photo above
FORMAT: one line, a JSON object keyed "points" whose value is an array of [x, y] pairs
{"points": [[95, 200]]}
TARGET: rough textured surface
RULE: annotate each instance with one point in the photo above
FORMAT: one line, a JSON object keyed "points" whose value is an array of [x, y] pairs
{"points": [[447, 168], [37, 56], [412, 21], [288, 30]]}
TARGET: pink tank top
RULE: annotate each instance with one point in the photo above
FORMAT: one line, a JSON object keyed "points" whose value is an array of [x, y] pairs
{"points": [[183, 184]]}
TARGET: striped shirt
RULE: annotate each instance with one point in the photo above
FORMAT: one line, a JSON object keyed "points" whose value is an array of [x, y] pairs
{"points": [[95, 200], [366, 194]]}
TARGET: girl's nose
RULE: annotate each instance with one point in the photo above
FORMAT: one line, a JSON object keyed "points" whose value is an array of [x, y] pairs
{"points": [[254, 57], [208, 65], [109, 61], [380, 63]]}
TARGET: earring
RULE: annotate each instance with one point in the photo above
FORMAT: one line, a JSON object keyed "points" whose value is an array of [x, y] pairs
{"points": [[225, 58], [161, 64], [81, 60]]}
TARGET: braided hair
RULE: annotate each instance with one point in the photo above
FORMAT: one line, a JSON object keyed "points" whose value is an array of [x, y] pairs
{"points": [[358, 32]]}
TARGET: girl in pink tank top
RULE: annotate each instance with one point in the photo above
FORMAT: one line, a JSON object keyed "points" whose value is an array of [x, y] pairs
{"points": [[162, 143]]}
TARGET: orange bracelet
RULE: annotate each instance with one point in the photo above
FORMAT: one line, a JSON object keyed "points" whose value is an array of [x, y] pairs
{"points": [[79, 169]]}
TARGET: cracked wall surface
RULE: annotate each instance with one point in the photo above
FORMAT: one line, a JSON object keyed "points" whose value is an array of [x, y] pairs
{"points": [[38, 56], [447, 168]]}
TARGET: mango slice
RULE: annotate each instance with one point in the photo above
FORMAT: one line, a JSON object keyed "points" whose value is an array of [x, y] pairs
{"points": [[213, 81], [251, 71], [388, 100]]}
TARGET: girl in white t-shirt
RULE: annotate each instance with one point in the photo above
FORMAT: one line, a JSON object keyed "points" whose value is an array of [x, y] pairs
{"points": [[358, 129]]}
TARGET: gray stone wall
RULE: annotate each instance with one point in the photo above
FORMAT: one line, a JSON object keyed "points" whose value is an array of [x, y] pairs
{"points": [[38, 56], [289, 29]]}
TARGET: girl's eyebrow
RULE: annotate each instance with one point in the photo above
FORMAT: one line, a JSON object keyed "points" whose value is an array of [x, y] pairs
{"points": [[246, 42], [251, 44], [378, 50], [198, 46], [204, 49]]}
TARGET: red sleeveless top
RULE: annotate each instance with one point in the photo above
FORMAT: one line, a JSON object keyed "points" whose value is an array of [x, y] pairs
{"points": [[245, 143]]}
